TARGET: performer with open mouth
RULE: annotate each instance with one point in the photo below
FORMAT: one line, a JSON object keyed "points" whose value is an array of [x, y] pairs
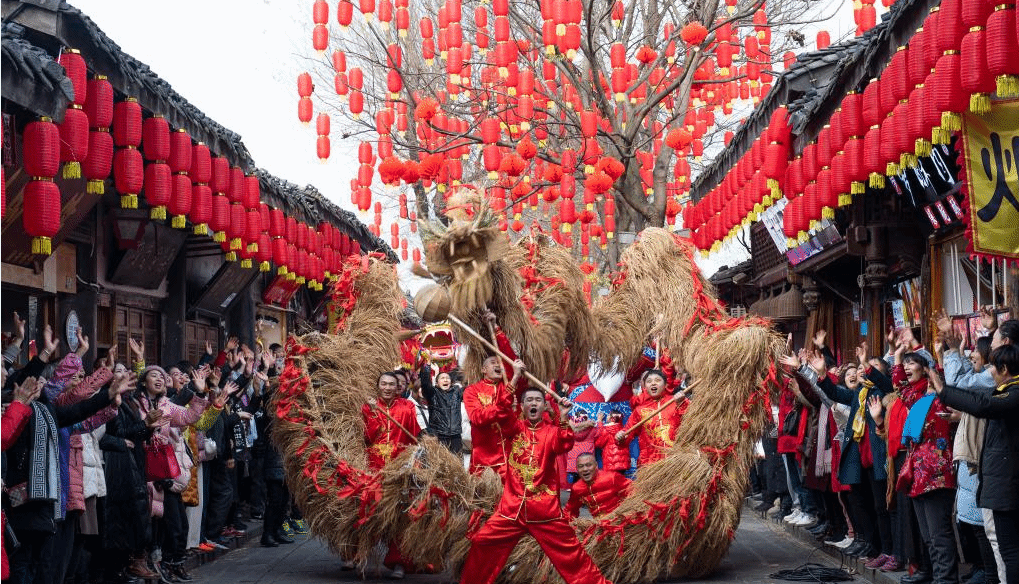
{"points": [[530, 497]]}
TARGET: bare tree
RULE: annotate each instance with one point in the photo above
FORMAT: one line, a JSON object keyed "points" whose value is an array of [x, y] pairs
{"points": [[645, 83]]}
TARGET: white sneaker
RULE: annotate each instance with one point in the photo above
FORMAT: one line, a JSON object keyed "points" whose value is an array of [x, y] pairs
{"points": [[845, 543], [794, 516], [805, 520], [397, 573]]}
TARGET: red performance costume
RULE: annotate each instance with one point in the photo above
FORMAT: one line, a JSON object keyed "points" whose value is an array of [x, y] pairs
{"points": [[490, 409], [384, 439], [601, 496], [659, 433], [530, 505], [489, 406]]}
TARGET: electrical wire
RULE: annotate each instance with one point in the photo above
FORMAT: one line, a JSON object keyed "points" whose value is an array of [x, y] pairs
{"points": [[811, 572]]}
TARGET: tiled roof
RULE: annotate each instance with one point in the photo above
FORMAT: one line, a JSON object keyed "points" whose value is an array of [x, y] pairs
{"points": [[30, 54]]}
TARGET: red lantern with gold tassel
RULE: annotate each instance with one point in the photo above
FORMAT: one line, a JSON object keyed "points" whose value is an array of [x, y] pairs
{"points": [[73, 140], [157, 188], [180, 164], [975, 80], [201, 194], [74, 129], [128, 167], [99, 109], [220, 185], [156, 147], [872, 157], [219, 222], [41, 215], [947, 96], [1002, 48]]}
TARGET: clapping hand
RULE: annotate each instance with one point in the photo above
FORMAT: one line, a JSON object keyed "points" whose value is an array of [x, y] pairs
{"points": [[154, 418], [198, 378], [27, 390], [819, 338], [987, 318], [875, 407], [137, 348], [82, 343], [790, 361], [19, 328], [122, 383], [49, 342]]}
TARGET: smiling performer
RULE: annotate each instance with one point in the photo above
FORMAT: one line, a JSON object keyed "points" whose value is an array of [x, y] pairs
{"points": [[383, 434], [658, 433], [489, 405], [530, 498], [600, 492]]}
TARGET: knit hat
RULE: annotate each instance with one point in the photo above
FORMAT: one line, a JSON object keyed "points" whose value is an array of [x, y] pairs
{"points": [[149, 369]]}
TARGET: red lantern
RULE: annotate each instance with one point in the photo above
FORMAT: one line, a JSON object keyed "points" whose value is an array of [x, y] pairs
{"points": [[201, 207], [156, 138], [129, 176], [158, 188], [99, 109], [180, 200], [127, 123], [220, 219], [73, 140], [41, 216], [1002, 48], [75, 70], [97, 166]]}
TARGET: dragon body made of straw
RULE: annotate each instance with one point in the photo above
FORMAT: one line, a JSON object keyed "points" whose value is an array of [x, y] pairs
{"points": [[682, 512]]}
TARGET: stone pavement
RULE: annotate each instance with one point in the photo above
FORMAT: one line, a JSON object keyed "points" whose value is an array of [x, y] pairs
{"points": [[761, 548]]}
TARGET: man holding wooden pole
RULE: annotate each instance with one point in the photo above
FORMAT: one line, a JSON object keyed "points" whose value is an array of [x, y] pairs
{"points": [[655, 421]]}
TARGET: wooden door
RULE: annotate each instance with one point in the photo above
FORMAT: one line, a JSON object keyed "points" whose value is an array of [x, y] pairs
{"points": [[139, 324], [195, 336]]}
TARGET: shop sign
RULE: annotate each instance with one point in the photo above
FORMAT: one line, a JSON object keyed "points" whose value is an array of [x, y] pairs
{"points": [[991, 153]]}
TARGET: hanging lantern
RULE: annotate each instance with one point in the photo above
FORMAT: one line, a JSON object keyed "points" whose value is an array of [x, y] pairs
{"points": [[975, 78], [99, 108], [180, 165], [158, 188], [73, 140], [1002, 48], [41, 215]]}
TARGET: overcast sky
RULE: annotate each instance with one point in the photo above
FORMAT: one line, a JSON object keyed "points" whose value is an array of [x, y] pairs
{"points": [[238, 62]]}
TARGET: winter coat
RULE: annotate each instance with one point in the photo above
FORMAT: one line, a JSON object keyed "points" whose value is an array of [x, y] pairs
{"points": [[999, 458], [76, 495], [39, 515], [93, 475], [179, 417], [443, 406], [850, 470], [126, 513]]}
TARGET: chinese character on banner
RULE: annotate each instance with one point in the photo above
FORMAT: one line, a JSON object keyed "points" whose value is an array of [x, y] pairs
{"points": [[991, 145]]}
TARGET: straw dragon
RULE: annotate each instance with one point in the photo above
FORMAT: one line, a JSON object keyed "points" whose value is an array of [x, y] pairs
{"points": [[683, 511]]}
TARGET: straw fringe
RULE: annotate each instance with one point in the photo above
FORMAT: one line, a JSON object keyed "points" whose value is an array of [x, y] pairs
{"points": [[683, 511]]}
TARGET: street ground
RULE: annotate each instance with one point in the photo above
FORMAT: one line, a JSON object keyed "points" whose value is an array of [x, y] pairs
{"points": [[761, 548]]}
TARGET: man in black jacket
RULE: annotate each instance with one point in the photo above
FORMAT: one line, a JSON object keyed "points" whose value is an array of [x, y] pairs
{"points": [[999, 458], [444, 399]]}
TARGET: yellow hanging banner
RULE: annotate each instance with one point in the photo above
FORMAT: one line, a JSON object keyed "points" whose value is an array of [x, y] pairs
{"points": [[991, 151]]}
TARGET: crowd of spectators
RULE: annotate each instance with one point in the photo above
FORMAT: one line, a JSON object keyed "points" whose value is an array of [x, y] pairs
{"points": [[907, 460], [116, 471]]}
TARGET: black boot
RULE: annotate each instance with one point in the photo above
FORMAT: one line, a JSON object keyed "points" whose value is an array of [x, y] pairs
{"points": [[282, 537], [179, 572]]}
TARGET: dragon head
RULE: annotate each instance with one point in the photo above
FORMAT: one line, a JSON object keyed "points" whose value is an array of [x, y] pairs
{"points": [[438, 343]]}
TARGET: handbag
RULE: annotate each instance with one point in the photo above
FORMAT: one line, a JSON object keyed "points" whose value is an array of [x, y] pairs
{"points": [[160, 462], [904, 481]]}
